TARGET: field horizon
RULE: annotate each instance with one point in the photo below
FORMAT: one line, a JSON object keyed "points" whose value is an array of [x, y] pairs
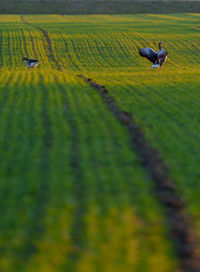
{"points": [[97, 6]]}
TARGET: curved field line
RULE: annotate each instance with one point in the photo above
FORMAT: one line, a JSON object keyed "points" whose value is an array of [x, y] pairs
{"points": [[66, 46], [129, 47], [184, 240], [48, 39], [76, 52], [94, 51]]}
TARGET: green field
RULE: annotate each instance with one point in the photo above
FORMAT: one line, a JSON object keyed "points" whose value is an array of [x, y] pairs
{"points": [[73, 193]]}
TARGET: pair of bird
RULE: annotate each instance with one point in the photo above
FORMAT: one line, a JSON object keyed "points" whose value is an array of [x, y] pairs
{"points": [[157, 58]]}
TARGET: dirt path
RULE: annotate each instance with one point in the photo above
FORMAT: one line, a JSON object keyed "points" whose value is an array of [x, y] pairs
{"points": [[184, 240], [49, 43]]}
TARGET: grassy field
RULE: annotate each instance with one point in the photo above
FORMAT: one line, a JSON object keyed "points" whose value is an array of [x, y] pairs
{"points": [[73, 194]]}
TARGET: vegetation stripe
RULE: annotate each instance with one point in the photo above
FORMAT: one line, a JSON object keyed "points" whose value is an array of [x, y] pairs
{"points": [[71, 61], [77, 228], [33, 44], [37, 228], [48, 39], [1, 45], [24, 43], [179, 222]]}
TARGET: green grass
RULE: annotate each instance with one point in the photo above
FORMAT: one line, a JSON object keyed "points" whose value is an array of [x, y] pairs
{"points": [[73, 195]]}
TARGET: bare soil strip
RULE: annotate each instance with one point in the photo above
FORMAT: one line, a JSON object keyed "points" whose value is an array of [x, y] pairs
{"points": [[48, 39], [181, 234]]}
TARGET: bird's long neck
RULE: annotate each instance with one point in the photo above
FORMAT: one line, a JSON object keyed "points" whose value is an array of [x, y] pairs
{"points": [[160, 46]]}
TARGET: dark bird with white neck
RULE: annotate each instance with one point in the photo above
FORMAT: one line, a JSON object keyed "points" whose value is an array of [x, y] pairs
{"points": [[30, 63], [157, 58]]}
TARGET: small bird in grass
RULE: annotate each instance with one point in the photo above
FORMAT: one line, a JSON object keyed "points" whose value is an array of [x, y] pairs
{"points": [[157, 58], [30, 63]]}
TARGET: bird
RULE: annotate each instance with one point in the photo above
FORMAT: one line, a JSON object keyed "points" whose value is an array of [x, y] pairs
{"points": [[157, 58], [30, 63]]}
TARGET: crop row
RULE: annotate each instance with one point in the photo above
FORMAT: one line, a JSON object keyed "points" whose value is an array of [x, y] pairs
{"points": [[68, 175], [114, 47], [68, 172]]}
